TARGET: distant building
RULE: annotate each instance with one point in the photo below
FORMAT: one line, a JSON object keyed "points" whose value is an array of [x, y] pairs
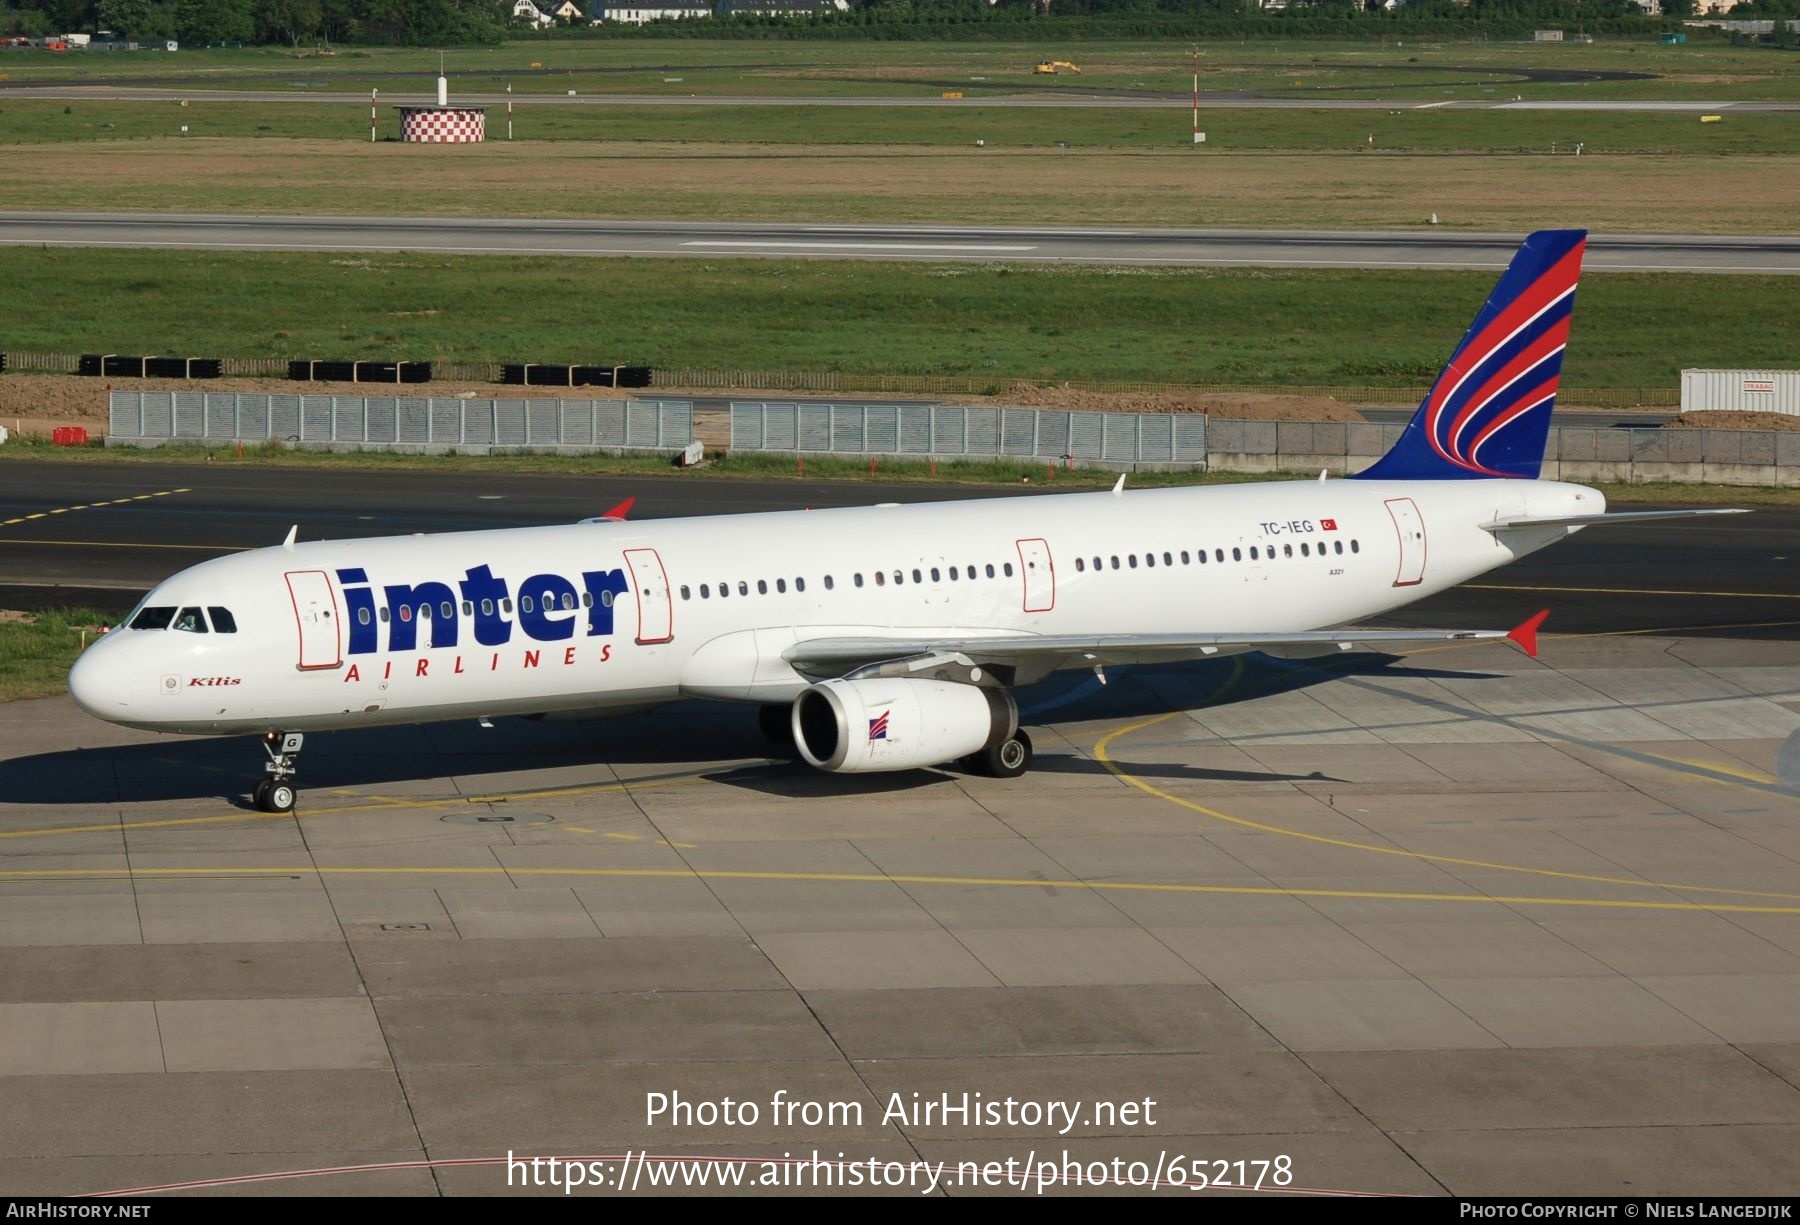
{"points": [[566, 11], [525, 10], [782, 8], [637, 12]]}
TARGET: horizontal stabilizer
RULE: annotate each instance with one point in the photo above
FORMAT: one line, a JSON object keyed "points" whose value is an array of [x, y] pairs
{"points": [[1625, 516]]}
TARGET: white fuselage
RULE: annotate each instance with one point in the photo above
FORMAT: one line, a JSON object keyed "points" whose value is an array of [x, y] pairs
{"points": [[330, 634]]}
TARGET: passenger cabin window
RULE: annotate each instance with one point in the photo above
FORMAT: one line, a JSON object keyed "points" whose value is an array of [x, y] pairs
{"points": [[1007, 569], [1237, 555], [781, 586], [743, 587], [828, 583], [192, 620], [362, 616], [153, 619], [1355, 547], [1080, 564], [762, 586], [685, 593], [990, 569], [705, 592], [222, 620], [857, 579], [799, 584]]}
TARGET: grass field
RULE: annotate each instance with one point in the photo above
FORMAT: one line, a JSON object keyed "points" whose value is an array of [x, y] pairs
{"points": [[1432, 70], [1622, 193], [1602, 133], [37, 651], [1035, 322]]}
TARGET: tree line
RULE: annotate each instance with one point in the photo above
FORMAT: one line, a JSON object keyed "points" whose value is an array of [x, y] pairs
{"points": [[465, 22]]}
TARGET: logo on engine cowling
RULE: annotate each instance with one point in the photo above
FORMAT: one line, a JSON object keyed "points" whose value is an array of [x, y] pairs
{"points": [[878, 725]]}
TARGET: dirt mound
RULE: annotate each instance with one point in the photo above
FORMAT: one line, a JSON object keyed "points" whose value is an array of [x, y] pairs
{"points": [[1734, 419], [1236, 406]]}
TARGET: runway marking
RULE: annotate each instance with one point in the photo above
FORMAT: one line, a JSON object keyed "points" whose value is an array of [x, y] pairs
{"points": [[376, 804], [1103, 755], [1724, 595], [64, 510], [879, 878], [122, 544]]}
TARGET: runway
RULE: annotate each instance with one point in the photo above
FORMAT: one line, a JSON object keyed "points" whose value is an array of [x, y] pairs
{"points": [[1456, 922], [1110, 245]]}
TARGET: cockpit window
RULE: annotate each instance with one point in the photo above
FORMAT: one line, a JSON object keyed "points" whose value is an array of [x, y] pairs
{"points": [[222, 620], [153, 619], [191, 620]]}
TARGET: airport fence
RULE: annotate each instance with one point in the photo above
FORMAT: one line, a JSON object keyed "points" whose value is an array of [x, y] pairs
{"points": [[1572, 452], [921, 431], [954, 432], [399, 423]]}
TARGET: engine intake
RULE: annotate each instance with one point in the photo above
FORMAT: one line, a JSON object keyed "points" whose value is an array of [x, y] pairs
{"points": [[867, 726]]}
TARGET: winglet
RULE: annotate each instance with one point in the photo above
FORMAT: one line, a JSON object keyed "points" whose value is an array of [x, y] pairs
{"points": [[288, 544], [1526, 632], [619, 512], [1120, 487]]}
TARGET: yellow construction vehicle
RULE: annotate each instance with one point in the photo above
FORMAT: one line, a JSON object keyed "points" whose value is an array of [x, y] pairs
{"points": [[1052, 67]]}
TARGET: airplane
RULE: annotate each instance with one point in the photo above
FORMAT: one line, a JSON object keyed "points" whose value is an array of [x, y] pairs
{"points": [[873, 638]]}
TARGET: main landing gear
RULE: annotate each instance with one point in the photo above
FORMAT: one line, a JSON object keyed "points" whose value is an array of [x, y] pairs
{"points": [[276, 793], [1008, 759]]}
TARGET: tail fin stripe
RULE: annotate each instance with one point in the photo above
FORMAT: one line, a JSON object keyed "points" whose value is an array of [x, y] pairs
{"points": [[1453, 397], [1544, 347], [1463, 368], [1555, 283], [1540, 394]]}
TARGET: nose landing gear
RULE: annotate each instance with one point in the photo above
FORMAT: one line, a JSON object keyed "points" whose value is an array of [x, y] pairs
{"points": [[276, 793]]}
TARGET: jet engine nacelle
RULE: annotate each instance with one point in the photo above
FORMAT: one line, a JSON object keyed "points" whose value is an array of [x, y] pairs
{"points": [[865, 726]]}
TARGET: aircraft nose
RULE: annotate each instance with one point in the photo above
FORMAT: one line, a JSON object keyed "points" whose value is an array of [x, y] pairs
{"points": [[96, 687]]}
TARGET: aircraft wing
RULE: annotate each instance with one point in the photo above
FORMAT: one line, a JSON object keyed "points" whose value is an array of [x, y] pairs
{"points": [[1041, 654]]}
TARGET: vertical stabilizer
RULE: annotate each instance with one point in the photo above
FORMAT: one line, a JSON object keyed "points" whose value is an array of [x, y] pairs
{"points": [[1488, 414]]}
